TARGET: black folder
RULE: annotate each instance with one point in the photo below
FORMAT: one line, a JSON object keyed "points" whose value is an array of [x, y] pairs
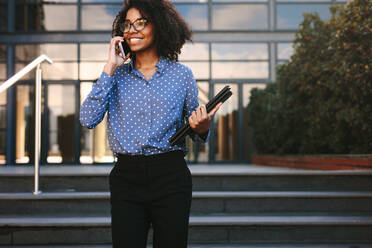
{"points": [[180, 135]]}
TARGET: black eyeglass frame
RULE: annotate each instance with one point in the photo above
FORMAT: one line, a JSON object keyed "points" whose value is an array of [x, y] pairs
{"points": [[133, 25]]}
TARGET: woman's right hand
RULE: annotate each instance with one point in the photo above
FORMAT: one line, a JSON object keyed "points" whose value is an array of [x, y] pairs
{"points": [[115, 58]]}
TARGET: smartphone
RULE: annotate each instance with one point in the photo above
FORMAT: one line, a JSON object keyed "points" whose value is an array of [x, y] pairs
{"points": [[124, 49]]}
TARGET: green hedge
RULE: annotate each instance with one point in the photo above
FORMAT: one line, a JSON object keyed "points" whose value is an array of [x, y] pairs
{"points": [[321, 102]]}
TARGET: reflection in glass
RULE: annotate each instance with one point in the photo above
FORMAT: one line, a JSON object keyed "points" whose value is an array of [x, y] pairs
{"points": [[94, 52], [248, 147], [199, 69], [60, 17], [93, 58], [290, 15], [61, 106], [239, 51], [2, 126], [196, 51], [2, 52], [59, 52], [240, 1], [27, 53], [221, 70], [91, 70], [2, 62], [226, 126], [3, 15], [58, 71], [194, 14], [239, 16], [98, 17], [24, 54], [285, 51], [100, 1], [190, 1], [29, 16], [49, 17], [198, 152], [299, 1], [63, 56], [24, 124], [2, 71], [94, 142]]}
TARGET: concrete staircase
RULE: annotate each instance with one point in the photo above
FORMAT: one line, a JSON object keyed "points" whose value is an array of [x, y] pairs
{"points": [[233, 206]]}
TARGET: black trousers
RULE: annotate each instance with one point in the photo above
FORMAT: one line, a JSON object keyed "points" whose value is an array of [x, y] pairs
{"points": [[154, 191]]}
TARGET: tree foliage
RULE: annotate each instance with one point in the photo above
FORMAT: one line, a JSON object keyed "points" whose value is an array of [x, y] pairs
{"points": [[321, 102]]}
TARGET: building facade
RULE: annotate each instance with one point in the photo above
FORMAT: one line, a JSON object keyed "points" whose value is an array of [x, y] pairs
{"points": [[236, 43]]}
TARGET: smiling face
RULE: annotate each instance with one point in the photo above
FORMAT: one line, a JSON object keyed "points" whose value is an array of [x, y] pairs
{"points": [[142, 40]]}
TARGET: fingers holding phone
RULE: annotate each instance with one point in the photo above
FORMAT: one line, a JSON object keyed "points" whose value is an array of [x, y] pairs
{"points": [[117, 56]]}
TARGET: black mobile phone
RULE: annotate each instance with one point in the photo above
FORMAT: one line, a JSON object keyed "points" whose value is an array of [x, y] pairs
{"points": [[124, 48]]}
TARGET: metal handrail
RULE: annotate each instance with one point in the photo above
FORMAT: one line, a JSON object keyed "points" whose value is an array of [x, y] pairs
{"points": [[11, 81]]}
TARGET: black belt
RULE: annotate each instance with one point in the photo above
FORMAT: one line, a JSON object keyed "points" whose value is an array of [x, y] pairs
{"points": [[160, 156]]}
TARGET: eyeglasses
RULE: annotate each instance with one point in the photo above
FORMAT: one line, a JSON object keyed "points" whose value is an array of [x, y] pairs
{"points": [[138, 25]]}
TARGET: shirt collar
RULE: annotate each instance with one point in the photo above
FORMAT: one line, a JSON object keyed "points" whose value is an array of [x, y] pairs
{"points": [[159, 66]]}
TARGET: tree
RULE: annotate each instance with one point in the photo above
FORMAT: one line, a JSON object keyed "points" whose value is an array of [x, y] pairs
{"points": [[322, 99]]}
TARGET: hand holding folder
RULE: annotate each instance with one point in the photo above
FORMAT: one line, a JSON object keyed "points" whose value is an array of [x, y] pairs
{"points": [[180, 135]]}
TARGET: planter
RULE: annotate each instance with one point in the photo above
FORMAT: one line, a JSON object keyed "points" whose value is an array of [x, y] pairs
{"points": [[320, 162]]}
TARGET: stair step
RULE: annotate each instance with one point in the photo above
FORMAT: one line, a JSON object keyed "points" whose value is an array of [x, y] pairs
{"points": [[216, 246], [197, 170], [194, 221], [204, 202], [196, 194], [223, 230], [205, 178]]}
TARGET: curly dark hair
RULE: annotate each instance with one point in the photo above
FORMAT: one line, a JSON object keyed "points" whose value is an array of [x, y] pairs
{"points": [[171, 30]]}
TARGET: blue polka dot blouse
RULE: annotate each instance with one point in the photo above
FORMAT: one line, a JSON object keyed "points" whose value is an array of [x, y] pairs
{"points": [[142, 114]]}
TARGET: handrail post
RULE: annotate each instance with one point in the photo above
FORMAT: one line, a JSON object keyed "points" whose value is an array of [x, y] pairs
{"points": [[37, 129]]}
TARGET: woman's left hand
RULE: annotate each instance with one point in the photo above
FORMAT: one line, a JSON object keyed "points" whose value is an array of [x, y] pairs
{"points": [[200, 120]]}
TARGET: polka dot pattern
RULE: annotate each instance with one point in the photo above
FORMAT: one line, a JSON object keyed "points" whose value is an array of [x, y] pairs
{"points": [[142, 114]]}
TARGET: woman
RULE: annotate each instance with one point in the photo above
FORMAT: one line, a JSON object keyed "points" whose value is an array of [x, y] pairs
{"points": [[147, 100]]}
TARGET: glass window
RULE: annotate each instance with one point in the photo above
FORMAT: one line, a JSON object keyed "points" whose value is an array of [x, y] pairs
{"points": [[240, 1], [226, 126], [62, 116], [25, 124], [289, 16], [98, 17], [93, 58], [199, 69], [199, 152], [248, 147], [91, 70], [64, 57], [60, 52], [299, 1], [100, 1], [2, 126], [189, 1], [239, 51], [94, 52], [196, 51], [2, 71], [43, 16], [94, 142], [24, 54], [3, 15], [194, 14], [239, 16], [285, 51], [2, 62], [222, 70], [63, 1]]}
